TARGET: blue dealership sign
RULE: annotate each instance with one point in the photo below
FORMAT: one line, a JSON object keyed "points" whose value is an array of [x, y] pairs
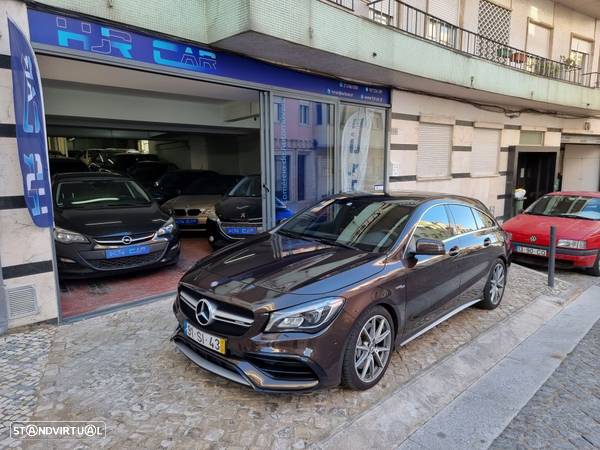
{"points": [[101, 39], [31, 127]]}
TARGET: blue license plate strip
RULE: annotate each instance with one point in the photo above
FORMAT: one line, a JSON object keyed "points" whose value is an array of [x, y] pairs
{"points": [[240, 230], [123, 252]]}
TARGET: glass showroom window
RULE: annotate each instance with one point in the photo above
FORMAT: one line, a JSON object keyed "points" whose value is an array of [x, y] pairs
{"points": [[303, 153], [362, 131]]}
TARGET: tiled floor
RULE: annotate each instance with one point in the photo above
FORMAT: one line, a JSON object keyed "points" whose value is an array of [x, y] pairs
{"points": [[85, 296]]}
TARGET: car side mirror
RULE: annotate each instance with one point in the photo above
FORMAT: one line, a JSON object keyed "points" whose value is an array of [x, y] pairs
{"points": [[429, 247]]}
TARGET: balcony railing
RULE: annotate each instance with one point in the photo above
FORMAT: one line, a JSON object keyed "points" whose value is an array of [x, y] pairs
{"points": [[403, 17], [348, 4]]}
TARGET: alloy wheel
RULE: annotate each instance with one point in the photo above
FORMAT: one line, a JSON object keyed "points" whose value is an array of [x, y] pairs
{"points": [[497, 282], [373, 347]]}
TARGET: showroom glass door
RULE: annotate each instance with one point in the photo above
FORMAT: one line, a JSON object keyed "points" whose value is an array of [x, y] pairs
{"points": [[362, 148], [303, 143]]}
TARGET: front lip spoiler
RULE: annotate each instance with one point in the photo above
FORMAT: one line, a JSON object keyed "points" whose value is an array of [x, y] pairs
{"points": [[240, 371]]}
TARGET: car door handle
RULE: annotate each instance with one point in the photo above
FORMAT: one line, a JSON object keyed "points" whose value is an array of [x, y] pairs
{"points": [[487, 242], [454, 251]]}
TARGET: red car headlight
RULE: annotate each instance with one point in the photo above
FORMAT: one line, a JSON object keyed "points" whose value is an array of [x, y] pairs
{"points": [[571, 243]]}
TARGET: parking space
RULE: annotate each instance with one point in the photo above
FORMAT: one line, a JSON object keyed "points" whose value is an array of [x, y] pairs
{"points": [[122, 368]]}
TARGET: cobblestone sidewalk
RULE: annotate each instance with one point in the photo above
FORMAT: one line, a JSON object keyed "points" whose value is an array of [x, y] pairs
{"points": [[565, 412], [23, 357], [121, 368]]}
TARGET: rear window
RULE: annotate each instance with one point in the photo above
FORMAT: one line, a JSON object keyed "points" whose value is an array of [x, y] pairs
{"points": [[464, 220], [482, 219]]}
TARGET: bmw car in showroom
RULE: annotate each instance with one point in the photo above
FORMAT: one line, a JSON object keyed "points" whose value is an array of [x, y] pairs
{"points": [[576, 216], [106, 224], [326, 296]]}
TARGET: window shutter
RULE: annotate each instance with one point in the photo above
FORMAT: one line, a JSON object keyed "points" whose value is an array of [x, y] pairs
{"points": [[581, 46], [446, 10], [433, 155], [484, 155], [538, 40]]}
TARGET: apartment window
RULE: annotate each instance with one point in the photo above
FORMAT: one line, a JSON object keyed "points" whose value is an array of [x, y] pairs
{"points": [[434, 150], [303, 115], [485, 151], [278, 112], [581, 50], [531, 138], [319, 113], [538, 39]]}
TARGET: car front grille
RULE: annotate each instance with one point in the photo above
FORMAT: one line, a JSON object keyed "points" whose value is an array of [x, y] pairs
{"points": [[126, 262], [180, 212], [193, 212], [230, 320], [137, 238], [282, 367]]}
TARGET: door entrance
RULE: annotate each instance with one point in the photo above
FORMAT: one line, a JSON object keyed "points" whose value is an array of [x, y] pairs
{"points": [[535, 174]]}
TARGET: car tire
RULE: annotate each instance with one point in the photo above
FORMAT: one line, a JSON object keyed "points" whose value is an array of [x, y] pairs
{"points": [[360, 351], [595, 269], [494, 287]]}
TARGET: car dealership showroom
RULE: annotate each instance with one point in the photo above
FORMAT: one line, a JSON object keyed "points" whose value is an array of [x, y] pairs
{"points": [[161, 152]]}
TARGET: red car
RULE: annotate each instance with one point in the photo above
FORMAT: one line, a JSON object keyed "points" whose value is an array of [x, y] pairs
{"points": [[576, 216]]}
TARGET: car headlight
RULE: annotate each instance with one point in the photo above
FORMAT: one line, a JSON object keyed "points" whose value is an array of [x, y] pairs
{"points": [[68, 237], [167, 228], [571, 243], [310, 317], [211, 213]]}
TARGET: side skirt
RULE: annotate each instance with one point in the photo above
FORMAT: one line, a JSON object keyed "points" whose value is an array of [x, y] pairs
{"points": [[440, 320]]}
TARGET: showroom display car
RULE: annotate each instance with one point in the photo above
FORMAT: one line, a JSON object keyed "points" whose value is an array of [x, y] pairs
{"points": [[197, 200], [121, 162], [239, 214], [147, 173], [326, 296], [172, 184], [576, 216], [61, 164], [107, 224]]}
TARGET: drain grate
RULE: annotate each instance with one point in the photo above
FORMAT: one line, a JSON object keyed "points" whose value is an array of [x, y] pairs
{"points": [[22, 302]]}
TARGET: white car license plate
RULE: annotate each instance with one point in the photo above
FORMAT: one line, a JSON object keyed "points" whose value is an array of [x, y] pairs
{"points": [[205, 339], [531, 250]]}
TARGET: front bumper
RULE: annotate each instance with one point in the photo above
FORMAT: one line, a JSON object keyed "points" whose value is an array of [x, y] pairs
{"points": [[83, 261], [219, 238], [565, 257], [270, 362]]}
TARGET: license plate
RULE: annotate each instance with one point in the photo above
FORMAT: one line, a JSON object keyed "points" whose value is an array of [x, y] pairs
{"points": [[122, 252], [204, 339], [186, 221], [531, 250], [241, 230]]}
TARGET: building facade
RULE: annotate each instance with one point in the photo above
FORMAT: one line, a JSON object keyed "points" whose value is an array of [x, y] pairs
{"points": [[474, 97]]}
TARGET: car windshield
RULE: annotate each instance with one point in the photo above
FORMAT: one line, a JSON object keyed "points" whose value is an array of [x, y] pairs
{"points": [[148, 172], [124, 161], [360, 223], [247, 187], [207, 186], [574, 206], [99, 194]]}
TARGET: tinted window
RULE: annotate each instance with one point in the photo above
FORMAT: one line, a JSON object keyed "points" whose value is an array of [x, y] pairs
{"points": [[483, 220], [365, 224], [248, 187], [567, 206], [434, 225], [463, 218]]}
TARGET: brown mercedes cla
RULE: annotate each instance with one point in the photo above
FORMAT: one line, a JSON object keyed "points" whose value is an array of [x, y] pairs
{"points": [[326, 297]]}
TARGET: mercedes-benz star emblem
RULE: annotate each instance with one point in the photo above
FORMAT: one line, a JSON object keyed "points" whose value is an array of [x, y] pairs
{"points": [[533, 238], [126, 240], [205, 312]]}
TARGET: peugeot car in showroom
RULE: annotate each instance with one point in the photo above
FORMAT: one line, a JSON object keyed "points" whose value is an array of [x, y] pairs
{"points": [[107, 224], [576, 216], [326, 296], [239, 214]]}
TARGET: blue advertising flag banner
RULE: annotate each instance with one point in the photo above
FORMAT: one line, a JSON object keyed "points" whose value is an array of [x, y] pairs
{"points": [[100, 39], [31, 128]]}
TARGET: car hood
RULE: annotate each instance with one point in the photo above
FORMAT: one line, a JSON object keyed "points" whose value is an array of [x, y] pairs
{"points": [[239, 208], [527, 225], [111, 221], [271, 265], [193, 201]]}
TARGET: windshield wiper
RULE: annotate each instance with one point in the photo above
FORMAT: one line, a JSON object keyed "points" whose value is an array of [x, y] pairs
{"points": [[575, 216]]}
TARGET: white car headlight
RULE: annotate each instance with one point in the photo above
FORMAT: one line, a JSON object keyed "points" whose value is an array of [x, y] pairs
{"points": [[571, 243], [68, 237], [167, 228], [310, 317], [211, 214]]}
